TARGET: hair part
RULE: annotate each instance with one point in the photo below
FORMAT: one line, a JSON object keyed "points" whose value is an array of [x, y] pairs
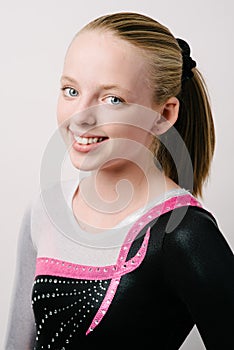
{"points": [[195, 122]]}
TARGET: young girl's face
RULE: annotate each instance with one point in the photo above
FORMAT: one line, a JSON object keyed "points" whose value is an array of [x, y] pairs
{"points": [[105, 108]]}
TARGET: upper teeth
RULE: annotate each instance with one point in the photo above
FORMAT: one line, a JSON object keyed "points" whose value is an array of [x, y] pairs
{"points": [[87, 140]]}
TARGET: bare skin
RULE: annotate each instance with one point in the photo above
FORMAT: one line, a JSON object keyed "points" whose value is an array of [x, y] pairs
{"points": [[117, 75]]}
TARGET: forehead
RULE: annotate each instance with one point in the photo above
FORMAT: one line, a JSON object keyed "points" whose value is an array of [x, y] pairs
{"points": [[101, 54], [104, 43]]}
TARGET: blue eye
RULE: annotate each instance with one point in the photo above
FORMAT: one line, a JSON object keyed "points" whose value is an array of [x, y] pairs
{"points": [[70, 92], [114, 100]]}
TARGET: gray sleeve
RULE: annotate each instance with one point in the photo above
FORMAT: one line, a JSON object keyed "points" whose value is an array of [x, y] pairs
{"points": [[20, 332]]}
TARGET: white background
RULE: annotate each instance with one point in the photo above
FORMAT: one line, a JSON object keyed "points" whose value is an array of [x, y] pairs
{"points": [[34, 36]]}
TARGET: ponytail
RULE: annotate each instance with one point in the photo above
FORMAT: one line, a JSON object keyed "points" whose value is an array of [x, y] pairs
{"points": [[196, 127]]}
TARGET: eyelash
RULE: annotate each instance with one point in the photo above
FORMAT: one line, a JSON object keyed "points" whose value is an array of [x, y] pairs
{"points": [[111, 96], [68, 87]]}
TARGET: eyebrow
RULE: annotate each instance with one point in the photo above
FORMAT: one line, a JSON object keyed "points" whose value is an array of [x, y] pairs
{"points": [[104, 86], [71, 80], [116, 87]]}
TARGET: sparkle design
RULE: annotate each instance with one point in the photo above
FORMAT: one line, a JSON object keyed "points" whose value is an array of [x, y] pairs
{"points": [[69, 300], [63, 307]]}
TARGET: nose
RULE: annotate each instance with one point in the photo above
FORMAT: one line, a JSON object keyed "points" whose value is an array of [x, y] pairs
{"points": [[85, 116], [84, 119], [85, 113]]}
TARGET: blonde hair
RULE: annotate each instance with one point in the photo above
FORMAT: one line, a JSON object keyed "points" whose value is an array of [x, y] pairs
{"points": [[195, 123]]}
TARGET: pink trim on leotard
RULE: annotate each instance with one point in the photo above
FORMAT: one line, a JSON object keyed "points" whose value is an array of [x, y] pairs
{"points": [[153, 213], [59, 268], [55, 267]]}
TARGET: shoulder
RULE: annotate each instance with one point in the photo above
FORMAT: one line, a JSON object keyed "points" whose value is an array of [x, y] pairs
{"points": [[54, 195], [194, 230], [50, 207], [190, 219]]}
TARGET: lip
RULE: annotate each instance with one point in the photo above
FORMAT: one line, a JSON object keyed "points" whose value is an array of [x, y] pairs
{"points": [[88, 147], [85, 134]]}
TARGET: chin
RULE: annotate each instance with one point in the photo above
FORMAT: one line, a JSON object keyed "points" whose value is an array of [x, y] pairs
{"points": [[82, 162]]}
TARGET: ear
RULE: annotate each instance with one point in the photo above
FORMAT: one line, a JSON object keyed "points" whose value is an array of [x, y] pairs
{"points": [[169, 113]]}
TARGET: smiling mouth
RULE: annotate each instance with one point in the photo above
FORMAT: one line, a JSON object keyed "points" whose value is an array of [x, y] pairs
{"points": [[89, 140]]}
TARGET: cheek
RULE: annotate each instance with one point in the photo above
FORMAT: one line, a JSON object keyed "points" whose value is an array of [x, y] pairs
{"points": [[60, 110], [130, 132], [64, 110]]}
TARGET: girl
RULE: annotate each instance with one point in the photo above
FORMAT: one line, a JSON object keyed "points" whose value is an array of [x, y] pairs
{"points": [[135, 257]]}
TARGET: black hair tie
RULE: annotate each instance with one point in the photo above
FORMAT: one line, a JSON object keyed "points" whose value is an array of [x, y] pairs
{"points": [[188, 62]]}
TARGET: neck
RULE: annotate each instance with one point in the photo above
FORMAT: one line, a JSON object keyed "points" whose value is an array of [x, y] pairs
{"points": [[124, 185]]}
